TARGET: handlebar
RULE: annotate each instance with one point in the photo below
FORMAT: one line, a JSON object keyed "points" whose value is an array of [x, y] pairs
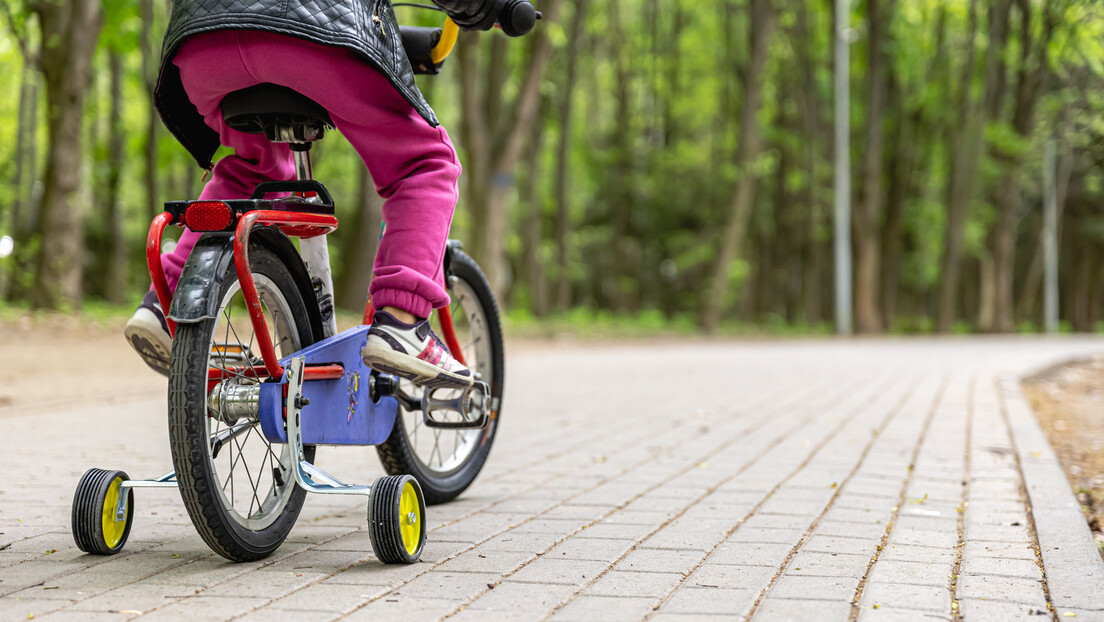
{"points": [[517, 17], [450, 33], [513, 17]]}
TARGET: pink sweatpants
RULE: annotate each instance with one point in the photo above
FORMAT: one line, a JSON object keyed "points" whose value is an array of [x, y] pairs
{"points": [[413, 165]]}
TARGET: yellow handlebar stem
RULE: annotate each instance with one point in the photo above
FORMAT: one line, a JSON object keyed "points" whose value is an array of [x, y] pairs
{"points": [[449, 33]]}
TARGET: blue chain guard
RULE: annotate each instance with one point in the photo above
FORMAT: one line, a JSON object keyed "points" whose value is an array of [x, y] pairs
{"points": [[340, 411]]}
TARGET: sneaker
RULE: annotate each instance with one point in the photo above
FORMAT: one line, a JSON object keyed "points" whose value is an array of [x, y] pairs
{"points": [[147, 332], [413, 352]]}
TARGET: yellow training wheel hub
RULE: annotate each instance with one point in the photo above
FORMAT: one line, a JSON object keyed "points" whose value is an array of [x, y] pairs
{"points": [[410, 517], [113, 530]]}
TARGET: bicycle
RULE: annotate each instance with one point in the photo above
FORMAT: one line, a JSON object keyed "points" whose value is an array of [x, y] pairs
{"points": [[259, 375]]}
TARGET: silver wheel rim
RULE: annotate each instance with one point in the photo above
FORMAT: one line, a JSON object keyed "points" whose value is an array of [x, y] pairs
{"points": [[443, 452], [253, 478]]}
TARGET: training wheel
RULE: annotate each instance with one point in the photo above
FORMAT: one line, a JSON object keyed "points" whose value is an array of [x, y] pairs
{"points": [[95, 503], [396, 519]]}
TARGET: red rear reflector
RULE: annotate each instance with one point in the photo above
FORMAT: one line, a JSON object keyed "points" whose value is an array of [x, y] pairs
{"points": [[208, 216]]}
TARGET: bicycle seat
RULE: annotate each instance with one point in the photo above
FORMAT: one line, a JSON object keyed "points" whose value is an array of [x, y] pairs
{"points": [[278, 112]]}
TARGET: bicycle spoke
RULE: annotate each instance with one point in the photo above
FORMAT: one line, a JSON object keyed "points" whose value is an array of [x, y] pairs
{"points": [[248, 353], [437, 448], [249, 476]]}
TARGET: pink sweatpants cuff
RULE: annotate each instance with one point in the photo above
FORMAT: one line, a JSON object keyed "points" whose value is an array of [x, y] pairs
{"points": [[400, 299]]}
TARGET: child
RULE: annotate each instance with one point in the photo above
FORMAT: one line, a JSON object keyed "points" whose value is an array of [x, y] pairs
{"points": [[349, 60]]}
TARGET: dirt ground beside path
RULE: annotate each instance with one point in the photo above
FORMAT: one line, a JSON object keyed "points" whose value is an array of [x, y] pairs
{"points": [[55, 361], [1069, 402]]}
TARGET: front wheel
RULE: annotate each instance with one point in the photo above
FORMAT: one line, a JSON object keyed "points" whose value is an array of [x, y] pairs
{"points": [[446, 461], [238, 488]]}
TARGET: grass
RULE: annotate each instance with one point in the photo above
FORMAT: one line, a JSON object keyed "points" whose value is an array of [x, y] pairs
{"points": [[589, 324], [579, 323]]}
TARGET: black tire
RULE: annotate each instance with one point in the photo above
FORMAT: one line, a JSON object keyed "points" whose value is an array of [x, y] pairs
{"points": [[214, 510], [401, 452], [389, 514], [95, 529]]}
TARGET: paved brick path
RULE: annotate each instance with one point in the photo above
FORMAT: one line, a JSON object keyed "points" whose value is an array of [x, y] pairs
{"points": [[871, 479]]}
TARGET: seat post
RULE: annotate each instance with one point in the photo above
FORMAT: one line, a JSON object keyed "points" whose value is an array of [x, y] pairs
{"points": [[303, 170]]}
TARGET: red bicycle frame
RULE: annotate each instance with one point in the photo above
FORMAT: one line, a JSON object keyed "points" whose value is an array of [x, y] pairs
{"points": [[294, 224]]}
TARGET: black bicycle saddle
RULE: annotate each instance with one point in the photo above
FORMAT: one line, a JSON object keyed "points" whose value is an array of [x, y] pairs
{"points": [[280, 113]]}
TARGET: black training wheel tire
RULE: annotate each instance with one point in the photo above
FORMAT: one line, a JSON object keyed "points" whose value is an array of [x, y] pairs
{"points": [[398, 453], [200, 485], [396, 519], [95, 529]]}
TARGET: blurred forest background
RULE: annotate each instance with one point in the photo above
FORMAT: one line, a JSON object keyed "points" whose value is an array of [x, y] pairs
{"points": [[669, 160]]}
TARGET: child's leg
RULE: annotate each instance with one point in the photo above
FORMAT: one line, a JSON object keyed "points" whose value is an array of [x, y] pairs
{"points": [[210, 67], [413, 165], [254, 160]]}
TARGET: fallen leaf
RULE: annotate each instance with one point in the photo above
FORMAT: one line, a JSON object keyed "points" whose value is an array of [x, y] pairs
{"points": [[176, 556]]}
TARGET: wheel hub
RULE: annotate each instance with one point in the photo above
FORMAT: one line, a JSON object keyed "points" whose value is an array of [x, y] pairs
{"points": [[230, 402]]}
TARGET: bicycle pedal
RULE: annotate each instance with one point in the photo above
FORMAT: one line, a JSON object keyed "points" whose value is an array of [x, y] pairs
{"points": [[475, 401]]}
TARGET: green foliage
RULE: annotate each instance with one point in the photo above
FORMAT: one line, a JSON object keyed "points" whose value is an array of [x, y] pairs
{"points": [[651, 167]]}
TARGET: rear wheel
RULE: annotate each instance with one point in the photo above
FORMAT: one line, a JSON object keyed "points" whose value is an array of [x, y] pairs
{"points": [[444, 461], [238, 488]]}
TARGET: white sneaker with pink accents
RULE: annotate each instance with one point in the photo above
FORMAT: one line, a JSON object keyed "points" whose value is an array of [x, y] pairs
{"points": [[413, 352]]}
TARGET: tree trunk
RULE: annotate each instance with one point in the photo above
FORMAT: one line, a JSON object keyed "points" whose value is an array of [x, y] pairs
{"points": [[153, 123], [492, 131], [902, 161], [621, 191], [24, 133], [360, 249], [809, 111], [867, 214], [563, 201], [70, 31], [115, 277], [716, 299], [964, 144], [1002, 241], [1031, 294], [533, 236]]}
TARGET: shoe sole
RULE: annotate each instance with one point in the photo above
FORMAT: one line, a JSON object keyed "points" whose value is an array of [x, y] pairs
{"points": [[383, 358], [144, 333]]}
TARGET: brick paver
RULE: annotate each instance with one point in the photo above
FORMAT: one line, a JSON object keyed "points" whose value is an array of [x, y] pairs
{"points": [[805, 480]]}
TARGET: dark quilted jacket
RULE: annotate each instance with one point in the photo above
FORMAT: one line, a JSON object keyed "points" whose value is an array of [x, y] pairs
{"points": [[343, 23]]}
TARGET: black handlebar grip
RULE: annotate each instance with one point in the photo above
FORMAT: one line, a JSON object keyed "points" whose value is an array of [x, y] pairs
{"points": [[518, 17]]}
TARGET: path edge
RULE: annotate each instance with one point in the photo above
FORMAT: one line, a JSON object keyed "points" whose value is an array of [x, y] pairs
{"points": [[1074, 569]]}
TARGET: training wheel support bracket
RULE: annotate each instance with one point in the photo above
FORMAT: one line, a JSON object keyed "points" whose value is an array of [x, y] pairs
{"points": [[308, 476]]}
